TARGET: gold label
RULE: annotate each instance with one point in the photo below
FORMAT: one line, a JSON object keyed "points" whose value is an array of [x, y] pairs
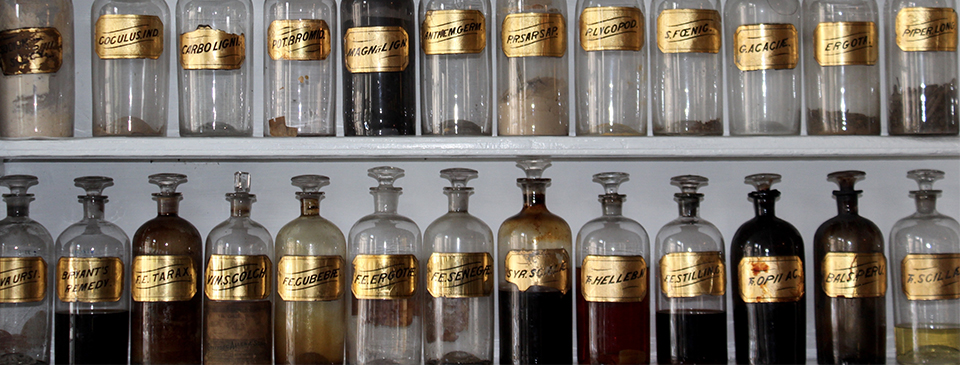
{"points": [[611, 28], [453, 32], [163, 278], [89, 279], [692, 274], [298, 40], [212, 49], [384, 276], [927, 29], [376, 49], [460, 275], [613, 278], [765, 47], [854, 275], [534, 34], [771, 279], [128, 37], [22, 279], [237, 277], [845, 43], [30, 51], [689, 31], [931, 277], [310, 278], [547, 268]]}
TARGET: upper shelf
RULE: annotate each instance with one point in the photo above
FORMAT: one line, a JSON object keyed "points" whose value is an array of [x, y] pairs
{"points": [[795, 147]]}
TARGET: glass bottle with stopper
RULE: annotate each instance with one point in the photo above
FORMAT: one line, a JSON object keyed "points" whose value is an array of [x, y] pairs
{"points": [[167, 257], [26, 248], [769, 309], [850, 307], [613, 305], [238, 294], [309, 311], [691, 278], [384, 269], [458, 317], [926, 306], [93, 310], [535, 304]]}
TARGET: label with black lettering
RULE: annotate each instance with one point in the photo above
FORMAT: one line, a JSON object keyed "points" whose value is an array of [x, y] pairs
{"points": [[460, 274], [376, 49], [310, 278], [22, 279], [237, 277], [30, 51], [453, 32], [534, 35], [689, 31], [613, 278], [89, 279], [771, 279], [926, 29], [163, 278], [845, 44], [765, 47], [931, 276], [124, 36], [212, 49], [298, 40], [547, 268], [384, 276], [854, 275], [692, 274], [611, 28]]}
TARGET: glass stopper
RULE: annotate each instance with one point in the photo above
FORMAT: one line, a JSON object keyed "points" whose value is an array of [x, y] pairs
{"points": [[167, 182], [18, 184], [762, 182], [689, 183], [846, 179], [241, 182], [385, 175], [534, 166], [611, 181], [93, 185], [310, 183], [459, 176], [925, 177]]}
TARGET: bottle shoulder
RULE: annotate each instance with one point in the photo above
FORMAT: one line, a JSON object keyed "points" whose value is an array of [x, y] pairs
{"points": [[458, 232], [24, 238], [131, 7], [167, 235], [310, 236], [689, 235], [433, 5], [613, 236], [767, 236], [92, 238], [848, 233], [239, 236], [661, 5]]}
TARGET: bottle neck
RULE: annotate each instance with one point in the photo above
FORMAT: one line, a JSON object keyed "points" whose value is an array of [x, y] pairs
{"points": [[385, 200], [534, 191], [18, 206], [612, 208], [309, 207], [93, 207], [847, 204], [926, 203], [240, 207], [689, 206], [763, 204], [168, 205], [458, 201]]}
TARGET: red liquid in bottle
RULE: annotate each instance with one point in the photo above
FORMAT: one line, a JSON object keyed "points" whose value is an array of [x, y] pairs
{"points": [[612, 333]]}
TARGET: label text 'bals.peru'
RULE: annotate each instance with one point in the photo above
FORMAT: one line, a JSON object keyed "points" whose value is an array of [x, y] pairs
{"points": [[854, 275]]}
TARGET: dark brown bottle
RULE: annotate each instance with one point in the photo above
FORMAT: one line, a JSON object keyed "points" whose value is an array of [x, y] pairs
{"points": [[850, 273], [166, 310], [769, 306]]}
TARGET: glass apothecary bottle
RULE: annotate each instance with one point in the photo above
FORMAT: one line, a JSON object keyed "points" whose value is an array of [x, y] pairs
{"points": [[25, 252], [216, 67], [458, 316], [36, 58], [309, 312], [93, 310], [926, 308], [921, 52], [850, 275], [763, 76], [455, 66], [613, 306], [379, 80], [535, 289], [532, 62], [237, 302], [769, 305], [841, 44], [384, 323], [686, 68], [300, 74], [691, 278], [612, 68], [131, 71], [166, 313]]}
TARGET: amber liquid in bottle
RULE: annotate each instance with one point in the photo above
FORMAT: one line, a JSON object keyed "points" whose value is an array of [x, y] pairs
{"points": [[619, 328]]}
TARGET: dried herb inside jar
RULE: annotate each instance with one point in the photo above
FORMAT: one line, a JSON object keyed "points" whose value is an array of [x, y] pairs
{"points": [[926, 109]]}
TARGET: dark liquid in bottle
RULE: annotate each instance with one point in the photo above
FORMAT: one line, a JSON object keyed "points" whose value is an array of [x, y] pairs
{"points": [[535, 326], [92, 337], [692, 337], [612, 333], [168, 332], [238, 332]]}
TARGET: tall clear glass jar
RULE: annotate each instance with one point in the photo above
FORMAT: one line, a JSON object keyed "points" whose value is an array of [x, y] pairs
{"points": [[691, 278], [93, 266], [921, 67], [300, 73], [238, 277], [926, 308], [384, 326], [216, 67], [458, 316], [612, 68], [841, 72], [25, 299], [455, 66], [763, 77], [309, 312], [532, 62], [131, 71], [36, 58], [686, 68]]}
